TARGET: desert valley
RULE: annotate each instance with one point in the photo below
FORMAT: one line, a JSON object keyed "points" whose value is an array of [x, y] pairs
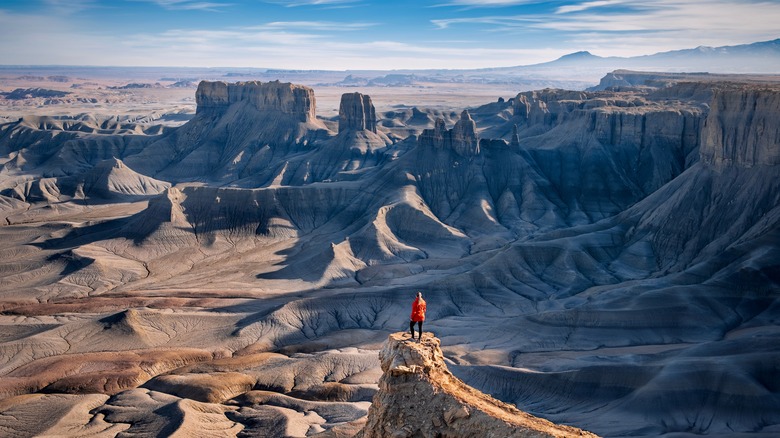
{"points": [[211, 252]]}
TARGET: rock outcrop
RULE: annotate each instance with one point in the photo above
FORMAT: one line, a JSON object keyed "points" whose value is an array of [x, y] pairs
{"points": [[419, 397], [741, 128], [646, 140], [622, 80], [241, 130], [287, 98], [357, 113], [546, 106], [357, 146], [514, 142], [462, 138]]}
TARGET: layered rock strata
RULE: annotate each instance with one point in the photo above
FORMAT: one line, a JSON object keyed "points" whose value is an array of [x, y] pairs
{"points": [[462, 138], [646, 139], [356, 112], [741, 128], [545, 106], [240, 131], [419, 397], [287, 98]]}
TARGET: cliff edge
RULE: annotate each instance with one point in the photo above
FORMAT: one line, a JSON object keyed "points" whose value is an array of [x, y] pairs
{"points": [[741, 128], [419, 397], [291, 99]]}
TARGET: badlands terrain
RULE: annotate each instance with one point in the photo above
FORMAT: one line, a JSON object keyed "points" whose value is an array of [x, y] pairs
{"points": [[228, 260]]}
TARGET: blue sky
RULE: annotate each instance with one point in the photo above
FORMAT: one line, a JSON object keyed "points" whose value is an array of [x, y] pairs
{"points": [[363, 34]]}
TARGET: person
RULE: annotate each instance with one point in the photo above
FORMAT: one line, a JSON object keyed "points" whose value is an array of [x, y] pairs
{"points": [[418, 315]]}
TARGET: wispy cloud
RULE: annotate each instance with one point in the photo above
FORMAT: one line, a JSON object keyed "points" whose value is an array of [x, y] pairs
{"points": [[67, 7], [650, 26], [296, 3], [587, 5], [486, 3], [306, 39], [260, 47], [327, 26], [188, 5], [496, 20]]}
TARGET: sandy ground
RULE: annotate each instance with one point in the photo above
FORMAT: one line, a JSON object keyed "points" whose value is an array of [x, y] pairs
{"points": [[93, 95]]}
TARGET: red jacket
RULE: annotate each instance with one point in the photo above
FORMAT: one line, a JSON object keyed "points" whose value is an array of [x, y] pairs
{"points": [[418, 310]]}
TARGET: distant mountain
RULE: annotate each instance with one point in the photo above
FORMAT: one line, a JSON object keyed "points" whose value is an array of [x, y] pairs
{"points": [[583, 69], [582, 56], [761, 57]]}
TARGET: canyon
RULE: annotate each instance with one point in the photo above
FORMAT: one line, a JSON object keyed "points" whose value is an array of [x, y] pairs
{"points": [[604, 259]]}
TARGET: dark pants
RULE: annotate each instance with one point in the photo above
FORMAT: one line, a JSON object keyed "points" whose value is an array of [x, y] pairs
{"points": [[419, 328]]}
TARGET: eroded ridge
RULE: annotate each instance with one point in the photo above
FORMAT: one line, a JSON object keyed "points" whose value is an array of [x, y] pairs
{"points": [[419, 397]]}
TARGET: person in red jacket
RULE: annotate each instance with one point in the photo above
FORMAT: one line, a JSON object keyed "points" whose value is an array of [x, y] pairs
{"points": [[418, 315]]}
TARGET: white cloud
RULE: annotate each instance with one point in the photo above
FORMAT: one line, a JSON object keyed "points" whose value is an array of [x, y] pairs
{"points": [[487, 3], [188, 5], [311, 44], [502, 21], [330, 26], [655, 26], [260, 47], [296, 3], [586, 5]]}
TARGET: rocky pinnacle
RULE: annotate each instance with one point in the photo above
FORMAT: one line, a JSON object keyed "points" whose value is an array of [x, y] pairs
{"points": [[419, 397], [356, 112]]}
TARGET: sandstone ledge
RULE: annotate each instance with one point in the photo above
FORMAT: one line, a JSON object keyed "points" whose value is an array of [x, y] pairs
{"points": [[419, 397]]}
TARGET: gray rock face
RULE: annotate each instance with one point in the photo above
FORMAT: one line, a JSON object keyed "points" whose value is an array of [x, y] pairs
{"points": [[239, 131], [741, 129], [434, 138], [286, 98], [645, 141], [356, 112], [546, 106], [514, 142], [464, 135], [462, 138]]}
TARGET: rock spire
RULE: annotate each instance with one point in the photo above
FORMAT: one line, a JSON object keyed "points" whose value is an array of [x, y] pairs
{"points": [[356, 112], [514, 142], [462, 138]]}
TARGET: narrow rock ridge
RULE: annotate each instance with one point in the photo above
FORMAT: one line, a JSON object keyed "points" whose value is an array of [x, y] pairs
{"points": [[292, 99], [462, 138], [419, 397], [741, 128], [356, 112]]}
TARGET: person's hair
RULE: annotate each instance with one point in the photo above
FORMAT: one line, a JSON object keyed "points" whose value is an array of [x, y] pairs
{"points": [[419, 294]]}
